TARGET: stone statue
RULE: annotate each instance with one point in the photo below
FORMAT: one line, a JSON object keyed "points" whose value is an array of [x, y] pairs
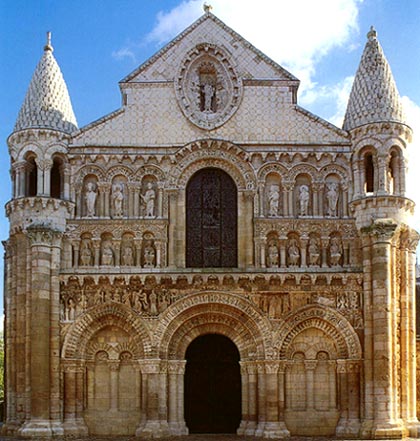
{"points": [[127, 256], [332, 199], [153, 303], [149, 255], [107, 254], [117, 199], [149, 200], [273, 256], [313, 251], [85, 253], [208, 91], [335, 251], [293, 253], [90, 198], [303, 200], [273, 201]]}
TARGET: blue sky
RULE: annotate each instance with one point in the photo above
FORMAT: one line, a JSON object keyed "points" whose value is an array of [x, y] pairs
{"points": [[98, 42]]}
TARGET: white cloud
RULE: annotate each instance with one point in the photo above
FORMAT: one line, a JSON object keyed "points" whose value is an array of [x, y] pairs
{"points": [[124, 52], [295, 34], [412, 111]]}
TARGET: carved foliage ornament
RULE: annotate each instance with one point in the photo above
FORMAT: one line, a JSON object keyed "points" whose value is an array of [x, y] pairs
{"points": [[207, 87]]}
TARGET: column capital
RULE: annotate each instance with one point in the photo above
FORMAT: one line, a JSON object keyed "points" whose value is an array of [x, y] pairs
{"points": [[381, 230], [409, 240], [150, 366], [176, 366], [42, 235]]}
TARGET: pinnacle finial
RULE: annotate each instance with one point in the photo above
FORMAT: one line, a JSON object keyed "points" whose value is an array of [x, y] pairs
{"points": [[372, 34], [48, 46], [207, 8]]}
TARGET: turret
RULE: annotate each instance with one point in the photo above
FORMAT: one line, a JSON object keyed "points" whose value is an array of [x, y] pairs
{"points": [[380, 136], [38, 145]]}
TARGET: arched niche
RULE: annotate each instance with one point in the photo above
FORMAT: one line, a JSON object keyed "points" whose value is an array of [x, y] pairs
{"points": [[119, 197], [303, 195]]}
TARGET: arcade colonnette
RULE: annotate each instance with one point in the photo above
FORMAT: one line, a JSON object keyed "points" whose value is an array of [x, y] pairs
{"points": [[211, 257]]}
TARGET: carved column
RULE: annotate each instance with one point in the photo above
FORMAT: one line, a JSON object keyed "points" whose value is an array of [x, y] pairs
{"points": [[274, 428], [75, 246], [251, 424], [261, 394], [114, 367], [303, 247], [408, 244], [325, 242], [245, 229], [159, 210], [283, 243], [176, 371], [173, 199], [154, 386], [386, 423], [382, 174], [43, 327], [97, 252], [245, 399], [310, 366]]}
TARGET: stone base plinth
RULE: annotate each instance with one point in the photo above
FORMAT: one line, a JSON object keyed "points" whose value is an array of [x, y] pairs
{"points": [[348, 428], [41, 429], [275, 430], [178, 429], [388, 430], [153, 429], [76, 427]]}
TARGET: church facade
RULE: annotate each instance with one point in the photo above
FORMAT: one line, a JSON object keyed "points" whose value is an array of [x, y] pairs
{"points": [[211, 257]]}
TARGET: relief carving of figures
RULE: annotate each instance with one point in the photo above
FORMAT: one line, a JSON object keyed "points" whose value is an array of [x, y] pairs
{"points": [[90, 199], [273, 255], [313, 252], [153, 303], [86, 254], [208, 95], [332, 199], [117, 200], [293, 252], [149, 200], [273, 201], [303, 200], [335, 251], [127, 255], [107, 254], [149, 254]]}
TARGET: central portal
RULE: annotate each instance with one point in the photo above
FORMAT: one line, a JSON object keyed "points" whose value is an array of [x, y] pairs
{"points": [[212, 385]]}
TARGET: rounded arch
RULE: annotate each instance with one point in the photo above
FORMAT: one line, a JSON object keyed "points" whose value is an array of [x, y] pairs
{"points": [[304, 169], [217, 154], [272, 167], [112, 314], [87, 170], [332, 323], [216, 313], [335, 170], [54, 149], [119, 170], [31, 148], [149, 170]]}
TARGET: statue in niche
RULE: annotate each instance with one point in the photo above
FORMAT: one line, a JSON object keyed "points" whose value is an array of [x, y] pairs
{"points": [[71, 310], [293, 252], [117, 199], [273, 255], [332, 199], [313, 251], [127, 256], [153, 303], [90, 199], [208, 92], [107, 254], [149, 254], [335, 251], [273, 201], [303, 200], [149, 200], [86, 254]]}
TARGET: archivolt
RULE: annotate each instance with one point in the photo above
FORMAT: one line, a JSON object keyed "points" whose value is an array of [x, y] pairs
{"points": [[219, 154], [206, 313], [111, 314], [326, 319]]}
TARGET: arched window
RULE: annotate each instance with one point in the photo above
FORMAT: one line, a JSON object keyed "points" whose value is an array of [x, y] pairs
{"points": [[369, 173], [31, 177], [57, 178], [212, 218]]}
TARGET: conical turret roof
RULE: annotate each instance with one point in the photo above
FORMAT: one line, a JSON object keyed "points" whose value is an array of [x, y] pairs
{"points": [[374, 96], [47, 103]]}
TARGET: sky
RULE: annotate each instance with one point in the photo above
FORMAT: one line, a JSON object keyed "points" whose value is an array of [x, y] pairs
{"points": [[98, 42]]}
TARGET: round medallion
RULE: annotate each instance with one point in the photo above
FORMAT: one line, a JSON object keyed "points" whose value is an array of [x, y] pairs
{"points": [[207, 87]]}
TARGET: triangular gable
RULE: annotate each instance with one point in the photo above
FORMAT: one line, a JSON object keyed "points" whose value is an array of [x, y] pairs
{"points": [[170, 55]]}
